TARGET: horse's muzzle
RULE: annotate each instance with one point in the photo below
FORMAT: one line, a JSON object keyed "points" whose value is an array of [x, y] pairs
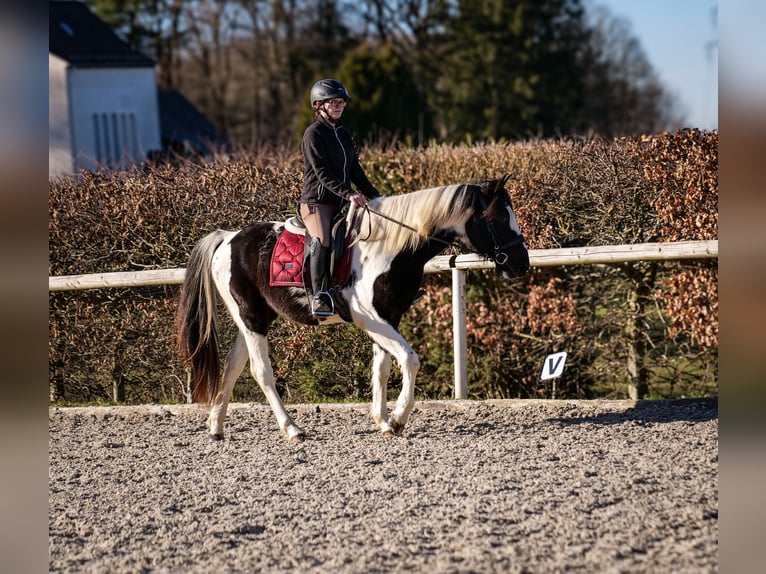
{"points": [[514, 263], [511, 275]]}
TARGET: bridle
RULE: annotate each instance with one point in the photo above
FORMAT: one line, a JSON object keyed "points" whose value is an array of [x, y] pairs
{"points": [[499, 257]]}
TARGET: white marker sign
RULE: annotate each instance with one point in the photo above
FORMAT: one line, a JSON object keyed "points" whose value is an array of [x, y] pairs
{"points": [[553, 366]]}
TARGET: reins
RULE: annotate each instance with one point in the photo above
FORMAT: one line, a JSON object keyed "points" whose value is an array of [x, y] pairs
{"points": [[401, 224]]}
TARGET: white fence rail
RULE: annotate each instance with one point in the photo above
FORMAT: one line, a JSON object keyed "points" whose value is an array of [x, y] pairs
{"points": [[607, 254]]}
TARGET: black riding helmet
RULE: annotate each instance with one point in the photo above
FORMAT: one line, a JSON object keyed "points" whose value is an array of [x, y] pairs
{"points": [[328, 89]]}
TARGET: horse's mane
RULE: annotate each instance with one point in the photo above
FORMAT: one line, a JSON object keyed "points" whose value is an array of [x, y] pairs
{"points": [[426, 210]]}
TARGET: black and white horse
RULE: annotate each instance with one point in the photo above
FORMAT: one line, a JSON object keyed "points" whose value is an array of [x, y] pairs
{"points": [[397, 236]]}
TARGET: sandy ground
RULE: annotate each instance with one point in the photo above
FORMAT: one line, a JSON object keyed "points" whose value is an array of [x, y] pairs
{"points": [[499, 486]]}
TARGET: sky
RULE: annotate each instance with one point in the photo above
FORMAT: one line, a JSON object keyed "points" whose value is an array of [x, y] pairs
{"points": [[675, 35]]}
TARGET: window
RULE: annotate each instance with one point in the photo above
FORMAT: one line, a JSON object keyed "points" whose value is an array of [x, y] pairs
{"points": [[115, 138]]}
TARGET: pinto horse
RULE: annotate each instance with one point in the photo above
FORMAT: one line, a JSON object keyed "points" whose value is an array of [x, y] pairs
{"points": [[396, 236]]}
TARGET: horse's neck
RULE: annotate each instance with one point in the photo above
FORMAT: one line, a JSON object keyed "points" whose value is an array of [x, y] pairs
{"points": [[430, 249]]}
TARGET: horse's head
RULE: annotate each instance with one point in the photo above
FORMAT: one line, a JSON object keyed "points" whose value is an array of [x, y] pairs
{"points": [[494, 231]]}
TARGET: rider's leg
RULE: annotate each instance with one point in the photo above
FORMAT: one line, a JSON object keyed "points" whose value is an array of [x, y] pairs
{"points": [[318, 219], [319, 264]]}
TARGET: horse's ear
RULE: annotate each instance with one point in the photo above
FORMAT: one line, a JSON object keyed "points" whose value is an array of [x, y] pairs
{"points": [[498, 184], [491, 186]]}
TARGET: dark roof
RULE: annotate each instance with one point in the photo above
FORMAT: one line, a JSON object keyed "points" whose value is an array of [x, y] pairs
{"points": [[181, 122], [84, 40]]}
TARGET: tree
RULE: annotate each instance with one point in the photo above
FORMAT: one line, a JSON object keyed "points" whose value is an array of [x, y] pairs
{"points": [[460, 70], [266, 87], [386, 101], [509, 69], [623, 94], [210, 33], [153, 27], [280, 48]]}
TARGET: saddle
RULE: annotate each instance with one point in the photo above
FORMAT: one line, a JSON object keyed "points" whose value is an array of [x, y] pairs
{"points": [[289, 258]]}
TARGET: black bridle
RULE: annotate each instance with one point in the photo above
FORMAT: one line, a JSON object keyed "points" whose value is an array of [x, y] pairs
{"points": [[499, 256]]}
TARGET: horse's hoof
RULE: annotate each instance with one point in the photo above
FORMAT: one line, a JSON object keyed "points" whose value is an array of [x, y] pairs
{"points": [[388, 433], [295, 434], [216, 437], [398, 428]]}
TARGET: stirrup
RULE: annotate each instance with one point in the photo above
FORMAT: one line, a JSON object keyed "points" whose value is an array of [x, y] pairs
{"points": [[322, 305]]}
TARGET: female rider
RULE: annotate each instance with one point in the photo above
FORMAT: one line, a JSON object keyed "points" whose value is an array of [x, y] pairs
{"points": [[330, 166]]}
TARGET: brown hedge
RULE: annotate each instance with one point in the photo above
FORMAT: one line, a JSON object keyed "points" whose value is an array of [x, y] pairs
{"points": [[568, 192]]}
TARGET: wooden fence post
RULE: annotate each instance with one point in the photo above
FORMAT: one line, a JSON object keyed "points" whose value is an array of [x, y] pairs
{"points": [[459, 334]]}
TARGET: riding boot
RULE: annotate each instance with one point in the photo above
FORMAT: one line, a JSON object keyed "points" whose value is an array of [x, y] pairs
{"points": [[322, 305]]}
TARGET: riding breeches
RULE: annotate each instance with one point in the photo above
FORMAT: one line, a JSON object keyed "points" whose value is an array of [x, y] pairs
{"points": [[318, 220]]}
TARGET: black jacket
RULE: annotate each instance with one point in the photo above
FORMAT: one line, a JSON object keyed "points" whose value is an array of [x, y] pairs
{"points": [[331, 165]]}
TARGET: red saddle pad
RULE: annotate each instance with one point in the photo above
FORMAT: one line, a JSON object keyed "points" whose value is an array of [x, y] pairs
{"points": [[287, 263]]}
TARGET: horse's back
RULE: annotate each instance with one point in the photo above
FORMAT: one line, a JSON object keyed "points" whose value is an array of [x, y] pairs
{"points": [[250, 270], [251, 251]]}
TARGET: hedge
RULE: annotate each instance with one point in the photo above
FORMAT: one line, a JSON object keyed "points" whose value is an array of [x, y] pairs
{"points": [[621, 324]]}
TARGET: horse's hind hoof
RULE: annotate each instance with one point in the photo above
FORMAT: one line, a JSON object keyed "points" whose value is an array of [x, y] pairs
{"points": [[398, 428], [216, 437], [295, 434], [388, 433]]}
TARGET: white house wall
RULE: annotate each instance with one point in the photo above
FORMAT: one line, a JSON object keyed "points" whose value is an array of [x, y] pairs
{"points": [[59, 133], [114, 115]]}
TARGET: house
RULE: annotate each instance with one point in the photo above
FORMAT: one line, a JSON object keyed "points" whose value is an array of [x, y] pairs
{"points": [[104, 106], [102, 103], [184, 129]]}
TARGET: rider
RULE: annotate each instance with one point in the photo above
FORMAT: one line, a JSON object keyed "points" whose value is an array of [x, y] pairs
{"points": [[330, 166]]}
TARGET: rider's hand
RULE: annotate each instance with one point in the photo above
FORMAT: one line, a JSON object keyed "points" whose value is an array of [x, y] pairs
{"points": [[358, 199]]}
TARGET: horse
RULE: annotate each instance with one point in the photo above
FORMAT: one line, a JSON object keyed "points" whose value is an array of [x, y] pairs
{"points": [[396, 235]]}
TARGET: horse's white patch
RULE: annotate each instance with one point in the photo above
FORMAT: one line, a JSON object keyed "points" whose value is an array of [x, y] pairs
{"points": [[512, 218]]}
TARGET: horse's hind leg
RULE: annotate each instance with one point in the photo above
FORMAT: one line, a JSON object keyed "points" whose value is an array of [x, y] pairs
{"points": [[260, 368], [381, 371], [232, 367]]}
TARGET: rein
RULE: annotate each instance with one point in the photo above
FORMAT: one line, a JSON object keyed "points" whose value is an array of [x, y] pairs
{"points": [[401, 224]]}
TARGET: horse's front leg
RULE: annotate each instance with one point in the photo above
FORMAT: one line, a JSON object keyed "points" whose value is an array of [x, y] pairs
{"points": [[381, 371], [232, 367], [410, 364], [393, 344]]}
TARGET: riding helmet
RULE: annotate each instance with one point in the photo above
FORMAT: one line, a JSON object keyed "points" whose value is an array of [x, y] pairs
{"points": [[327, 89]]}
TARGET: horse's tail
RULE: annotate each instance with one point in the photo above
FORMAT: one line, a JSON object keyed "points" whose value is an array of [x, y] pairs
{"points": [[197, 320]]}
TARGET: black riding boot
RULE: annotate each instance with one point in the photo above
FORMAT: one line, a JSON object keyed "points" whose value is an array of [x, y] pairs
{"points": [[322, 305]]}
